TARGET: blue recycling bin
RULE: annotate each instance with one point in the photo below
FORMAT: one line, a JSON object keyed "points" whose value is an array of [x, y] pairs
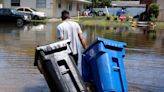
{"points": [[102, 65]]}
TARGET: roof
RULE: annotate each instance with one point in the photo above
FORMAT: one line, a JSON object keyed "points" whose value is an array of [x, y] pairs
{"points": [[146, 1], [83, 1], [1, 1], [127, 3]]}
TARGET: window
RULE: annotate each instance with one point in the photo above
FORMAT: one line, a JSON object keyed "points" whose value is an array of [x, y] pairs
{"points": [[70, 6], [78, 7], [20, 9], [15, 2], [27, 10], [59, 4], [6, 12], [41, 3]]}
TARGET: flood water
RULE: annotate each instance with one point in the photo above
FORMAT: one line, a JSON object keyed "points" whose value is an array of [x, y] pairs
{"points": [[144, 60]]}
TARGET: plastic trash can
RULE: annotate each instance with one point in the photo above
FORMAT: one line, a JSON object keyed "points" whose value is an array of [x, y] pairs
{"points": [[102, 65], [58, 67]]}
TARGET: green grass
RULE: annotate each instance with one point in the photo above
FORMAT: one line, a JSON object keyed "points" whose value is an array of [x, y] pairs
{"points": [[43, 21], [159, 25], [98, 21], [101, 21], [46, 20]]}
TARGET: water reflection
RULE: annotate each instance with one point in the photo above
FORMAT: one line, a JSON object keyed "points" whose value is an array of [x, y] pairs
{"points": [[9, 27], [17, 45], [144, 54], [140, 38], [34, 27], [26, 37]]}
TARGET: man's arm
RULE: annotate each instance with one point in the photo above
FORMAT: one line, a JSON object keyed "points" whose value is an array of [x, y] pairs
{"points": [[59, 33], [82, 40]]}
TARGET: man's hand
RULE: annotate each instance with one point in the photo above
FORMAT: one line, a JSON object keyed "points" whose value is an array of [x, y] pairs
{"points": [[82, 40], [61, 38]]}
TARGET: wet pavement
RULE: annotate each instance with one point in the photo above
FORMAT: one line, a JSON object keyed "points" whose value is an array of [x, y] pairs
{"points": [[144, 60]]}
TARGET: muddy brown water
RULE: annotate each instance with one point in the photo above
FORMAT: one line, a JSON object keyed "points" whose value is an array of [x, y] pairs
{"points": [[144, 60]]}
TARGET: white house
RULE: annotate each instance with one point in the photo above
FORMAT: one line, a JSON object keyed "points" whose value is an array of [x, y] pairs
{"points": [[161, 10], [52, 8], [127, 4], [1, 5]]}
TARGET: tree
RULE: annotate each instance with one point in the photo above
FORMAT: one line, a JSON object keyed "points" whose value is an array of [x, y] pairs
{"points": [[153, 11], [100, 3]]}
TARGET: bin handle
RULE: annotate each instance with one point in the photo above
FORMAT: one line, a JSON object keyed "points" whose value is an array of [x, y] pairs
{"points": [[116, 68]]}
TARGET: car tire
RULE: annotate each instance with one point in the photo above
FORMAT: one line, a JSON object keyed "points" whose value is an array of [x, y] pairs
{"points": [[20, 22], [36, 17]]}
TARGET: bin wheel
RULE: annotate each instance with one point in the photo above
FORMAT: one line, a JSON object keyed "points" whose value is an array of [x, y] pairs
{"points": [[36, 17], [90, 87], [19, 22]]}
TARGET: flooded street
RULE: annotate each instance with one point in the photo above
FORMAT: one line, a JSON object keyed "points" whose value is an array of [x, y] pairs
{"points": [[17, 44], [144, 60]]}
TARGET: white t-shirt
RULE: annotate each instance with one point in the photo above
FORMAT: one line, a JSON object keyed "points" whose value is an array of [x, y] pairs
{"points": [[69, 30]]}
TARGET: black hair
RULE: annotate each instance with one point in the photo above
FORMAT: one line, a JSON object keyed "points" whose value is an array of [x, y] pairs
{"points": [[65, 15]]}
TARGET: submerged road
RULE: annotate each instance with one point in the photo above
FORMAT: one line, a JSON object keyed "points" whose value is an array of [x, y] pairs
{"points": [[144, 60], [17, 74]]}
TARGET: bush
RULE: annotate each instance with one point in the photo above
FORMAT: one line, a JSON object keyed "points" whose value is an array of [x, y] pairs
{"points": [[153, 11]]}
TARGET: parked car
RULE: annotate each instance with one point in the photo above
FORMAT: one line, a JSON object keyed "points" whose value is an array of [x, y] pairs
{"points": [[11, 15], [33, 12]]}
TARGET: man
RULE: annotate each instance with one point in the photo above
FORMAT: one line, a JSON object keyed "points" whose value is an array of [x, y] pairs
{"points": [[70, 30]]}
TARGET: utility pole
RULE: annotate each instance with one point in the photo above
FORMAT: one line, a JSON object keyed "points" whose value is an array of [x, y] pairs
{"points": [[93, 7], [93, 3]]}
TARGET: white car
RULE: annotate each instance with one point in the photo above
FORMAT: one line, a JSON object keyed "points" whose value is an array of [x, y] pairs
{"points": [[34, 13]]}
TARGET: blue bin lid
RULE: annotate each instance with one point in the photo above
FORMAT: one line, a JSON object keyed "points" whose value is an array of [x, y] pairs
{"points": [[107, 42], [112, 43]]}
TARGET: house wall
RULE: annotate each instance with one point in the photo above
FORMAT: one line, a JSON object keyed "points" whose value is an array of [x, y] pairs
{"points": [[1, 3], [23, 3], [161, 4], [65, 6], [146, 1], [161, 10], [7, 3], [28, 3], [74, 9], [161, 14], [32, 3], [50, 6]]}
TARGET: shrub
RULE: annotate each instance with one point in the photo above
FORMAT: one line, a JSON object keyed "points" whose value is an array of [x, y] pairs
{"points": [[153, 11]]}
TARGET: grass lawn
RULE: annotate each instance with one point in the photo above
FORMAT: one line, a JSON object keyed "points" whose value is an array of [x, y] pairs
{"points": [[99, 21], [159, 25]]}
